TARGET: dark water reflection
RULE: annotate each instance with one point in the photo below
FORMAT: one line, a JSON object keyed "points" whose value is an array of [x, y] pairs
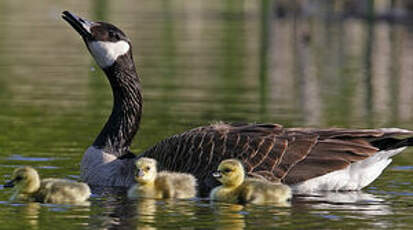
{"points": [[202, 61]]}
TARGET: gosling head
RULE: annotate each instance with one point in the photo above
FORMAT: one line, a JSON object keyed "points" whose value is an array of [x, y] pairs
{"points": [[230, 172], [107, 44], [24, 180], [145, 170]]}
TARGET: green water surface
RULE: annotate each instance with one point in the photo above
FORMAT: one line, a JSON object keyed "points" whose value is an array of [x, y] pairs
{"points": [[201, 61]]}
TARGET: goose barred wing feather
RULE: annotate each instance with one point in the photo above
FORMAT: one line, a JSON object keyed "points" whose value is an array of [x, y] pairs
{"points": [[268, 150]]}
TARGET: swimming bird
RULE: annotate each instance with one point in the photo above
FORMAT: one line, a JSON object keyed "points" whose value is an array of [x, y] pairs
{"points": [[307, 159], [27, 185], [236, 188], [152, 184]]}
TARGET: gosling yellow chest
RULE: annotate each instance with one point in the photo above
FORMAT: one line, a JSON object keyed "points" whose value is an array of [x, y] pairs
{"points": [[227, 194]]}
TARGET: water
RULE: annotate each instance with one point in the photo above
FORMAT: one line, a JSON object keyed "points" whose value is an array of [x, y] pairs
{"points": [[201, 61]]}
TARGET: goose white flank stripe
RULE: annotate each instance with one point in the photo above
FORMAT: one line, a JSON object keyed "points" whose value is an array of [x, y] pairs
{"points": [[355, 177]]}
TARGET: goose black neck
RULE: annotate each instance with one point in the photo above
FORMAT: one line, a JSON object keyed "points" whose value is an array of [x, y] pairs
{"points": [[123, 123]]}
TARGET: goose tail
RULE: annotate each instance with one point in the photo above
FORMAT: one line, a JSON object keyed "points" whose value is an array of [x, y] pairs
{"points": [[392, 143]]}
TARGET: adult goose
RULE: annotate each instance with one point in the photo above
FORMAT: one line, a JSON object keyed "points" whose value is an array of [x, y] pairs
{"points": [[307, 159]]}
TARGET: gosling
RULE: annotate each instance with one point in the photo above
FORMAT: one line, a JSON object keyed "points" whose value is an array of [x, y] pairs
{"points": [[27, 185], [236, 188], [162, 185]]}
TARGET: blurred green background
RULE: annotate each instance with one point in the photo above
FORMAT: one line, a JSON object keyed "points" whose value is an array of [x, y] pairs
{"points": [[313, 63]]}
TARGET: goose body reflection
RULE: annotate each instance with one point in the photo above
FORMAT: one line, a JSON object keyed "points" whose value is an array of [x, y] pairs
{"points": [[27, 185], [362, 203], [236, 188], [152, 184]]}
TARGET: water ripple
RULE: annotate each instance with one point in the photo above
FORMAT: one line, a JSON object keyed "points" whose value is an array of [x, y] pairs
{"points": [[16, 157], [403, 168]]}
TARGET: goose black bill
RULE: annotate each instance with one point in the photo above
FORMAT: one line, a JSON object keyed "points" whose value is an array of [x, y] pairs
{"points": [[81, 25]]}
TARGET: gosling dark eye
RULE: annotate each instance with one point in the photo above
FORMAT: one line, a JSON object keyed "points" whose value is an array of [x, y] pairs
{"points": [[148, 168], [227, 170], [18, 178]]}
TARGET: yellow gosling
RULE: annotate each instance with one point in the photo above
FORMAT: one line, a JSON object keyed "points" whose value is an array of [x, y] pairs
{"points": [[27, 185], [236, 188], [152, 184]]}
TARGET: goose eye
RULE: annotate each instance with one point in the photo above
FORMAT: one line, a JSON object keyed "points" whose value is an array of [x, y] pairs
{"points": [[114, 35], [148, 168], [18, 178]]}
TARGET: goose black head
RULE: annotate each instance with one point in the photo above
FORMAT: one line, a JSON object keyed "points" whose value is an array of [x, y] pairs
{"points": [[106, 42]]}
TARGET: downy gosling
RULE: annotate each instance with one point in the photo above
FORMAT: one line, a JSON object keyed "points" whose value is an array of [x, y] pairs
{"points": [[151, 184], [27, 185], [236, 188]]}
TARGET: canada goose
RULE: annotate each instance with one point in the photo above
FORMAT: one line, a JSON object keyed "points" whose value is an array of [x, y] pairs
{"points": [[28, 186], [152, 184], [236, 188], [307, 159]]}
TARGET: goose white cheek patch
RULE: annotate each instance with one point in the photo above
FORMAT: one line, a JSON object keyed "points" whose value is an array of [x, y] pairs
{"points": [[106, 53]]}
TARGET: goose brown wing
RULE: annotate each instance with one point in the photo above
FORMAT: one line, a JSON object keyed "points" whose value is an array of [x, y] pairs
{"points": [[266, 150], [327, 156], [336, 149]]}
